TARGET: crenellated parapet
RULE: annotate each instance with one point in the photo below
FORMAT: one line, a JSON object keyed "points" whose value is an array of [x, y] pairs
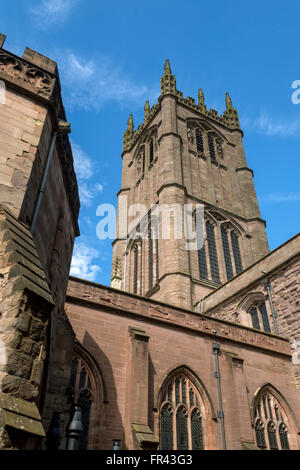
{"points": [[229, 118]]}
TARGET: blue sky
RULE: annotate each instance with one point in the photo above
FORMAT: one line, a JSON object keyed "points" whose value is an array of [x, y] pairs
{"points": [[110, 57]]}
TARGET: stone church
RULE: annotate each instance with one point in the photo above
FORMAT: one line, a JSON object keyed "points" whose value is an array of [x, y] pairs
{"points": [[189, 349]]}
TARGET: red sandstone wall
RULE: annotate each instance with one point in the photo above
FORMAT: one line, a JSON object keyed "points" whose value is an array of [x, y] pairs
{"points": [[105, 333]]}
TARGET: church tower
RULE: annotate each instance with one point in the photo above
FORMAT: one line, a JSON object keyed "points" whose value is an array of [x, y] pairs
{"points": [[184, 156]]}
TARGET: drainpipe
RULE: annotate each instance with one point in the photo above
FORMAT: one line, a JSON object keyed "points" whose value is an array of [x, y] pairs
{"points": [[268, 286], [62, 126], [220, 414]]}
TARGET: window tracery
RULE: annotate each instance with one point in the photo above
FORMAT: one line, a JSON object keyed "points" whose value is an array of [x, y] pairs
{"points": [[181, 421], [271, 430]]}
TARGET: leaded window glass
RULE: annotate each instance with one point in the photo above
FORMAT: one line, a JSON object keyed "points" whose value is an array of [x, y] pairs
{"points": [[254, 318], [199, 140], [181, 422], [211, 147], [177, 391], [166, 428], [272, 436], [236, 252], [182, 429], [212, 252], [283, 435], [197, 435], [260, 435], [266, 426], [265, 319], [184, 391], [226, 251], [202, 263]]}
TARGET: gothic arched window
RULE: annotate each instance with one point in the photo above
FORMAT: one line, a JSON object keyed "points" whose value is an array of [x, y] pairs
{"points": [[82, 385], [270, 424], [212, 251], [259, 317], [181, 424]]}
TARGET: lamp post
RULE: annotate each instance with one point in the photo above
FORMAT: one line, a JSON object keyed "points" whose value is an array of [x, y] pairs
{"points": [[75, 430], [116, 444]]}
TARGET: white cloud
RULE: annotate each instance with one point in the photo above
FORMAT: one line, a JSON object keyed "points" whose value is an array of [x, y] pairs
{"points": [[82, 162], [85, 169], [99, 187], [82, 262], [86, 194], [282, 197], [49, 12], [88, 83], [270, 126]]}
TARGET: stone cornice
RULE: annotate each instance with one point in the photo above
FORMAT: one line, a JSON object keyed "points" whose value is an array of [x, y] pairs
{"points": [[123, 303]]}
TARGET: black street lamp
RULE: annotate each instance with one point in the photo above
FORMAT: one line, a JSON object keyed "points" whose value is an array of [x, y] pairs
{"points": [[116, 444], [75, 430]]}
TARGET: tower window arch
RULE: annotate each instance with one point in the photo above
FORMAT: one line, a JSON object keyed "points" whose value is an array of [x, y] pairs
{"points": [[181, 416]]}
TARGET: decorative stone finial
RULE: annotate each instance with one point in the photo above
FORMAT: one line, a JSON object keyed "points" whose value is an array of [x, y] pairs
{"points": [[230, 116], [146, 111], [128, 134], [167, 68], [130, 124], [228, 101], [168, 82], [201, 102]]}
